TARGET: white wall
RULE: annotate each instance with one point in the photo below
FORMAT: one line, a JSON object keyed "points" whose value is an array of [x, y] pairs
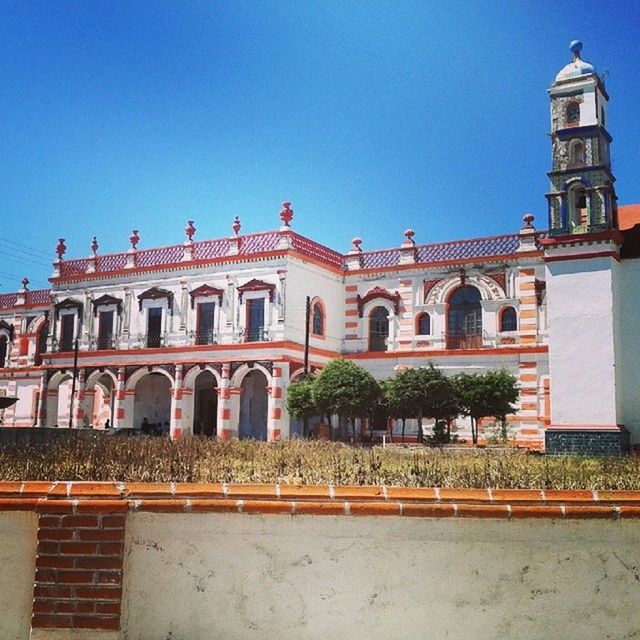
{"points": [[581, 342], [628, 345], [334, 577], [304, 280]]}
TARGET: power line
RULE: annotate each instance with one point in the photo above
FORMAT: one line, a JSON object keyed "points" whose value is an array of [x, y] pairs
{"points": [[43, 254]]}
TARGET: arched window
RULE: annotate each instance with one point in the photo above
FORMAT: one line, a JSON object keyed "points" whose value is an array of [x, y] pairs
{"points": [[423, 324], [464, 329], [317, 319], [577, 155], [378, 329], [577, 201], [3, 351], [508, 319], [573, 113]]}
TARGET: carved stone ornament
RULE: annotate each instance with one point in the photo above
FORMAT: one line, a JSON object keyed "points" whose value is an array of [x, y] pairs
{"points": [[379, 292]]}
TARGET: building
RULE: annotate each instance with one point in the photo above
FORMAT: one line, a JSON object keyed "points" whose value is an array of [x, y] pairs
{"points": [[205, 336]]}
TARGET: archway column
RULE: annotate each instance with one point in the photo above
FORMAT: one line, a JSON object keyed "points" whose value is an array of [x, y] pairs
{"points": [[176, 406], [119, 404], [78, 401], [42, 408], [224, 404], [278, 422]]}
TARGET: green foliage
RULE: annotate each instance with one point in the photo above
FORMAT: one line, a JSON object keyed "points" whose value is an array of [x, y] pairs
{"points": [[484, 395], [345, 389], [300, 402], [197, 459]]}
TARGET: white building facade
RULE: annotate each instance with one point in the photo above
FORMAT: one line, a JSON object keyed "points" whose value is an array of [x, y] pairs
{"points": [[204, 337]]}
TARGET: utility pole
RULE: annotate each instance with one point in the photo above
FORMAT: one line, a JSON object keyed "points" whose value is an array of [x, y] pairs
{"points": [[306, 336], [73, 382]]}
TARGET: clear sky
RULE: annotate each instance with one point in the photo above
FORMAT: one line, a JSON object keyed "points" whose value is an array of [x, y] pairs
{"points": [[370, 117]]}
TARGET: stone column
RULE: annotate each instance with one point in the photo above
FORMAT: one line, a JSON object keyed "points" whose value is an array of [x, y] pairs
{"points": [[224, 406], [278, 422], [528, 308], [176, 406], [119, 404], [42, 409], [78, 401]]}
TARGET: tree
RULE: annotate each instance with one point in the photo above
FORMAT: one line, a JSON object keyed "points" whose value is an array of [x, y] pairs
{"points": [[442, 405], [489, 394], [345, 389], [300, 402]]}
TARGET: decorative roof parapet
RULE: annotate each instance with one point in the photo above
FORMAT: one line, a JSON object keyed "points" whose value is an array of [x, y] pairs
{"points": [[527, 235], [353, 260], [408, 248]]}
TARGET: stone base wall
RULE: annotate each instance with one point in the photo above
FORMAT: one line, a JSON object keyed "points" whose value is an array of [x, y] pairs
{"points": [[587, 443]]}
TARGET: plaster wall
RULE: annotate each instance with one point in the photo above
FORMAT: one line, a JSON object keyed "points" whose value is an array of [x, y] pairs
{"points": [[628, 346], [17, 568], [304, 280], [23, 413], [278, 577], [581, 342]]}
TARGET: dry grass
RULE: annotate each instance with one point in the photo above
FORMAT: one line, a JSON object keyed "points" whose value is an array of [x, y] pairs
{"points": [[301, 462]]}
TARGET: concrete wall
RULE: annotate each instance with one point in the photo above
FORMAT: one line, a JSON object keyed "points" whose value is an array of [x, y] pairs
{"points": [[17, 568], [628, 346], [279, 577], [581, 342]]}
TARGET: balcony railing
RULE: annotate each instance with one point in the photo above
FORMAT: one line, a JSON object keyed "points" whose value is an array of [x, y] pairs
{"points": [[256, 334], [152, 340], [103, 343], [204, 337]]}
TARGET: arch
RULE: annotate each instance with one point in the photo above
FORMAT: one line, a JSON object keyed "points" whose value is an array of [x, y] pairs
{"points": [[4, 347], [42, 335], [189, 379], [138, 374], [318, 318], [508, 319], [572, 112], [99, 398], [577, 152], [577, 203], [204, 411], [423, 324], [152, 399], [94, 377], [378, 328], [58, 396], [464, 318], [254, 405], [489, 289], [244, 370]]}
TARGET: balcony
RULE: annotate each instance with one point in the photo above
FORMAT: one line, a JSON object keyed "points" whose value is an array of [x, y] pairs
{"points": [[255, 334], [102, 343], [151, 341], [204, 337]]}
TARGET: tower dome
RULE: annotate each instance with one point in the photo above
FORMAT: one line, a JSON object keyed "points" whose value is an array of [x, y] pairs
{"points": [[577, 67]]}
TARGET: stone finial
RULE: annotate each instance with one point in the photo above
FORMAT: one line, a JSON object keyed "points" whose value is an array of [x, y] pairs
{"points": [[94, 245], [61, 249], [528, 219], [190, 230], [25, 283], [286, 215], [575, 46], [355, 245], [408, 234], [134, 238], [236, 226]]}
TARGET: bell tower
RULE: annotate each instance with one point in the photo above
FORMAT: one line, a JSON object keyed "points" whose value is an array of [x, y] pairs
{"points": [[582, 197]]}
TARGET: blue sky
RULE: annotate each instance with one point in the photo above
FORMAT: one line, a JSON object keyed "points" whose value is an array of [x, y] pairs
{"points": [[370, 117]]}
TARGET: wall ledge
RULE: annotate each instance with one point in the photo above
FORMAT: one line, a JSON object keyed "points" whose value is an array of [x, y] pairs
{"points": [[78, 498]]}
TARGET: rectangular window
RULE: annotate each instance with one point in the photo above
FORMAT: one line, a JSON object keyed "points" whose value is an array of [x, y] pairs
{"points": [[255, 320], [206, 320], [105, 330], [154, 327], [67, 323]]}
